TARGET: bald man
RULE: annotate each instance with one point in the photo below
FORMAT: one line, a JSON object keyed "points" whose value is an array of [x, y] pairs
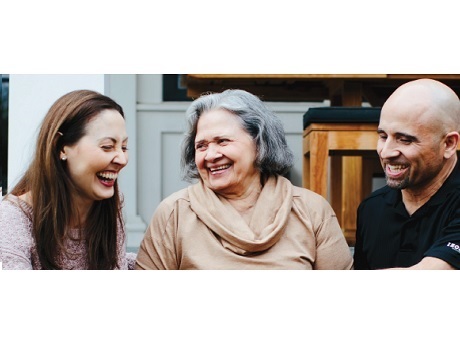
{"points": [[414, 221]]}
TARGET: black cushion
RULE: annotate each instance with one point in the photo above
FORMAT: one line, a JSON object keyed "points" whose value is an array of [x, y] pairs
{"points": [[341, 115]]}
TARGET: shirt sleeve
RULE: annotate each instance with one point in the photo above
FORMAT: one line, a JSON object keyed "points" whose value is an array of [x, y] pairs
{"points": [[447, 247], [332, 251], [157, 249], [15, 238]]}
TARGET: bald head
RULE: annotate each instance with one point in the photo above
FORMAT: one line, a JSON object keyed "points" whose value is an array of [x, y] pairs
{"points": [[429, 102], [418, 137]]}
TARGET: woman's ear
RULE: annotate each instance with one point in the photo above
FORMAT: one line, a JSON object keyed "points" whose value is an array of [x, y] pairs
{"points": [[451, 141], [63, 155]]}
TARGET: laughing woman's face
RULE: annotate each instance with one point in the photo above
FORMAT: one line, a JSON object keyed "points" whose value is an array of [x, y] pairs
{"points": [[94, 162], [225, 154]]}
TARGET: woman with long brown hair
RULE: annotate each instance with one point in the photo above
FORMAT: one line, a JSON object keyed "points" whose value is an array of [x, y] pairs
{"points": [[65, 212]]}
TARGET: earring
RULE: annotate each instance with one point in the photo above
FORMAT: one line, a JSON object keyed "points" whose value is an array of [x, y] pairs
{"points": [[63, 158]]}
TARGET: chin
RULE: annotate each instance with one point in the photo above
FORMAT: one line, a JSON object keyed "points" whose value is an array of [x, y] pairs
{"points": [[217, 187], [398, 184], [105, 195]]}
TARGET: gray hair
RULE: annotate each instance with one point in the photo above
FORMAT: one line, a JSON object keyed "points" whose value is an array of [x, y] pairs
{"points": [[274, 157]]}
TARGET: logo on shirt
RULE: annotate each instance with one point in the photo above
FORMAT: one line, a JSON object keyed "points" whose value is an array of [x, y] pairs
{"points": [[454, 246]]}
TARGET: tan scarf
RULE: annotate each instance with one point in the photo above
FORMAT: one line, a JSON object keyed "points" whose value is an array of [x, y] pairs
{"points": [[267, 224]]}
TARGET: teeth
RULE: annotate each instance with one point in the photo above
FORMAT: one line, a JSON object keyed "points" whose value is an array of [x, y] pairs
{"points": [[107, 175], [222, 167], [396, 167]]}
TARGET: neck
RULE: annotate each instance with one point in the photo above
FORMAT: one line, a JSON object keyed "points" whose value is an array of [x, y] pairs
{"points": [[244, 203], [82, 208], [414, 198]]}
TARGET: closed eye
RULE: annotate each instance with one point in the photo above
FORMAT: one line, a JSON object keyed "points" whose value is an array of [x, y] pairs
{"points": [[406, 139], [200, 146], [112, 147], [382, 134]]}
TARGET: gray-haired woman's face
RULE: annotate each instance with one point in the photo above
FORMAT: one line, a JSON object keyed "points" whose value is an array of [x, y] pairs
{"points": [[225, 154]]}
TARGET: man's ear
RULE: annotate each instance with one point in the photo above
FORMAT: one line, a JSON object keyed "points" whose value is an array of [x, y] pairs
{"points": [[451, 143]]}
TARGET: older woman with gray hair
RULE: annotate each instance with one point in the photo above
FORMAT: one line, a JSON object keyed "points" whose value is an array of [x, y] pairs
{"points": [[242, 213]]}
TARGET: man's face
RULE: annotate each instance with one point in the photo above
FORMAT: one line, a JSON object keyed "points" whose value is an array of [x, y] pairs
{"points": [[410, 145]]}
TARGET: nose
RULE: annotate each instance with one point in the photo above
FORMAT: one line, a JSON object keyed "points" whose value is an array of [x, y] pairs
{"points": [[212, 153], [121, 158], [387, 149]]}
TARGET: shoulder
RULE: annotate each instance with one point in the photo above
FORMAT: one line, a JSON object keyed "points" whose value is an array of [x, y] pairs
{"points": [[16, 239], [300, 192], [171, 200], [171, 203], [15, 222], [15, 209], [377, 195], [308, 197], [311, 205]]}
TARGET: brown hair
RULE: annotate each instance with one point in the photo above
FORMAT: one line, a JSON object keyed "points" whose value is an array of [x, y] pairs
{"points": [[50, 185]]}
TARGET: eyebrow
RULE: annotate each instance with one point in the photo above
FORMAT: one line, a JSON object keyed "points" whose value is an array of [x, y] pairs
{"points": [[218, 137], [408, 136], [113, 139]]}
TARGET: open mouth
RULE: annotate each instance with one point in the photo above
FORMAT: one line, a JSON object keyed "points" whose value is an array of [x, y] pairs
{"points": [[219, 169], [107, 178], [395, 170]]}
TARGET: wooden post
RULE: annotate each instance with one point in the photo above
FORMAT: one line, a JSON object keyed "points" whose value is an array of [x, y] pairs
{"points": [[345, 199]]}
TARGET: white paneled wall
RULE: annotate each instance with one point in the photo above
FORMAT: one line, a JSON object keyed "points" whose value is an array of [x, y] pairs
{"points": [[159, 135]]}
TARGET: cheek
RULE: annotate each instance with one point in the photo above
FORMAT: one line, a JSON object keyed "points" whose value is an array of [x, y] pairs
{"points": [[246, 164], [80, 174], [89, 164], [199, 159], [251, 156]]}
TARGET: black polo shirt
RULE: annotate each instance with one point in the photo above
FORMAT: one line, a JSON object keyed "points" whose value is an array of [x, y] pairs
{"points": [[387, 236]]}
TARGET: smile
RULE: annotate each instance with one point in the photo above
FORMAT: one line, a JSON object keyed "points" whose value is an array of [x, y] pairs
{"points": [[219, 168], [395, 170], [107, 178]]}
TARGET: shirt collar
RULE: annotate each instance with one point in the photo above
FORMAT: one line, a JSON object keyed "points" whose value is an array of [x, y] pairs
{"points": [[393, 196]]}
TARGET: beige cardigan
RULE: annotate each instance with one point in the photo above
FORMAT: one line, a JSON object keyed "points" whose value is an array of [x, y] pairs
{"points": [[291, 228]]}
